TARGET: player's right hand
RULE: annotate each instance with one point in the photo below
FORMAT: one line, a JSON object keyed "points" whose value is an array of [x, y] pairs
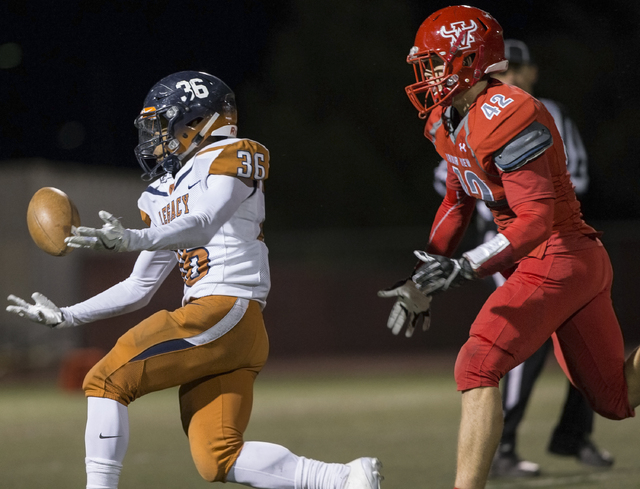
{"points": [[112, 236], [412, 308], [439, 273], [43, 311]]}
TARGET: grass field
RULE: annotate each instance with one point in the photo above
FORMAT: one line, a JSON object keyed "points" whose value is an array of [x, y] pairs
{"points": [[407, 419]]}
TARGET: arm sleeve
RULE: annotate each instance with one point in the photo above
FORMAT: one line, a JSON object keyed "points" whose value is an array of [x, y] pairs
{"points": [[530, 182], [222, 198], [531, 227], [530, 193], [450, 223], [135, 292]]}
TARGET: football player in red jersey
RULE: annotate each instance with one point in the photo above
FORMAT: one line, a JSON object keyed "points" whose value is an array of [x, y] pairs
{"points": [[572, 435], [205, 207], [502, 146]]}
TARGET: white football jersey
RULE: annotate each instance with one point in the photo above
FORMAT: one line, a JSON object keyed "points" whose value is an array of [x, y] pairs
{"points": [[235, 260]]}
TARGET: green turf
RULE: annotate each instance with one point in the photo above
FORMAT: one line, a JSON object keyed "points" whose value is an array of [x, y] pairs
{"points": [[408, 421]]}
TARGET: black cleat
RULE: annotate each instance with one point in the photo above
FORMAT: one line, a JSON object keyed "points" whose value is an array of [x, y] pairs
{"points": [[510, 465], [586, 453]]}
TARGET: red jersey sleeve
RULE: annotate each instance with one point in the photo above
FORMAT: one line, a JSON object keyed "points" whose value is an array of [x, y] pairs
{"points": [[531, 182], [530, 194], [451, 222]]}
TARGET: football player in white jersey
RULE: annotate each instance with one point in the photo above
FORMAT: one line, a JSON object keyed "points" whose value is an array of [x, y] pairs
{"points": [[205, 209]]}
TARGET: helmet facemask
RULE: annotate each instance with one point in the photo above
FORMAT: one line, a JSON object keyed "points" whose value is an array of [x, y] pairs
{"points": [[156, 150], [439, 76]]}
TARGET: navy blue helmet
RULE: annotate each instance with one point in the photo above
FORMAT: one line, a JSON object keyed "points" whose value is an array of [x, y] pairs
{"points": [[181, 113]]}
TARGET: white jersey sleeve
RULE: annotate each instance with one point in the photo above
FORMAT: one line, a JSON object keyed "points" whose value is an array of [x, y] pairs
{"points": [[211, 214], [149, 271], [222, 196]]}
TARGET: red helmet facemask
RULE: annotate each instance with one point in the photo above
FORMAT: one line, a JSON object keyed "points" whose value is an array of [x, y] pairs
{"points": [[455, 48]]}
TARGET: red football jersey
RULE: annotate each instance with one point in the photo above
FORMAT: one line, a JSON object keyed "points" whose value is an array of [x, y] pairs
{"points": [[497, 116]]}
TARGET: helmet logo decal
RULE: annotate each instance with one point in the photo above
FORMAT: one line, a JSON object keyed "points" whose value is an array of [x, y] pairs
{"points": [[458, 28], [194, 88]]}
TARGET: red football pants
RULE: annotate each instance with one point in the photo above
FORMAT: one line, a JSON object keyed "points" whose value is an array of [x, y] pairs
{"points": [[566, 296]]}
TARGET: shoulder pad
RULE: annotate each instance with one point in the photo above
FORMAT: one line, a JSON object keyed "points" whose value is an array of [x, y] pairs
{"points": [[237, 158], [526, 146]]}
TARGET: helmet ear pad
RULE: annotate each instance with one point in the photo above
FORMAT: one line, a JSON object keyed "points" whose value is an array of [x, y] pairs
{"points": [[186, 131], [196, 126]]}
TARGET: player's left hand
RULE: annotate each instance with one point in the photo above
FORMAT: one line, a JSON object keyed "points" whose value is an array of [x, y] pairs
{"points": [[111, 237], [412, 308], [43, 310], [439, 273]]}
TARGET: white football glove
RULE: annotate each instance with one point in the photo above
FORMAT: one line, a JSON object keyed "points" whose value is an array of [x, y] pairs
{"points": [[412, 308], [111, 237], [43, 311]]}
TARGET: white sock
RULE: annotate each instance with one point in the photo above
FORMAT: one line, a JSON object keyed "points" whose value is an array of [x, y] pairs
{"points": [[269, 466], [102, 474], [106, 439], [313, 474], [264, 466]]}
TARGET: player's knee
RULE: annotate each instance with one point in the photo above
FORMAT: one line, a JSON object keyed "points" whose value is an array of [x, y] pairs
{"points": [[209, 470], [611, 407], [213, 464], [477, 365], [618, 412], [96, 384]]}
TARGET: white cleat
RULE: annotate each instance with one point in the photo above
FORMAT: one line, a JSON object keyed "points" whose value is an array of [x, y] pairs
{"points": [[365, 474]]}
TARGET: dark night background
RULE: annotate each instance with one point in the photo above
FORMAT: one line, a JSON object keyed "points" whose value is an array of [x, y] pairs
{"points": [[321, 84]]}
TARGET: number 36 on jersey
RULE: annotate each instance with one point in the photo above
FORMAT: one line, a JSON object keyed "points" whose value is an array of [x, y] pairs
{"points": [[243, 158]]}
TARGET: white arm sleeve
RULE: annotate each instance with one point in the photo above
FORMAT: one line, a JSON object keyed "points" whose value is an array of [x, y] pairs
{"points": [[222, 198], [149, 271]]}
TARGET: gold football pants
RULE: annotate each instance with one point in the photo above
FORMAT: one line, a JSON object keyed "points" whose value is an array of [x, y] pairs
{"points": [[213, 348]]}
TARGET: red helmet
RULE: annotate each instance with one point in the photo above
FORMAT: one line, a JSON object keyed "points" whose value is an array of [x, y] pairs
{"points": [[466, 41]]}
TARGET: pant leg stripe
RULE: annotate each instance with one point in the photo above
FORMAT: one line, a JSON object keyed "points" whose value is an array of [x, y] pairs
{"points": [[164, 347], [225, 325]]}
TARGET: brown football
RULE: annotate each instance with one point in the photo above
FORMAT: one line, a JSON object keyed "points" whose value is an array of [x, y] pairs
{"points": [[50, 215]]}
